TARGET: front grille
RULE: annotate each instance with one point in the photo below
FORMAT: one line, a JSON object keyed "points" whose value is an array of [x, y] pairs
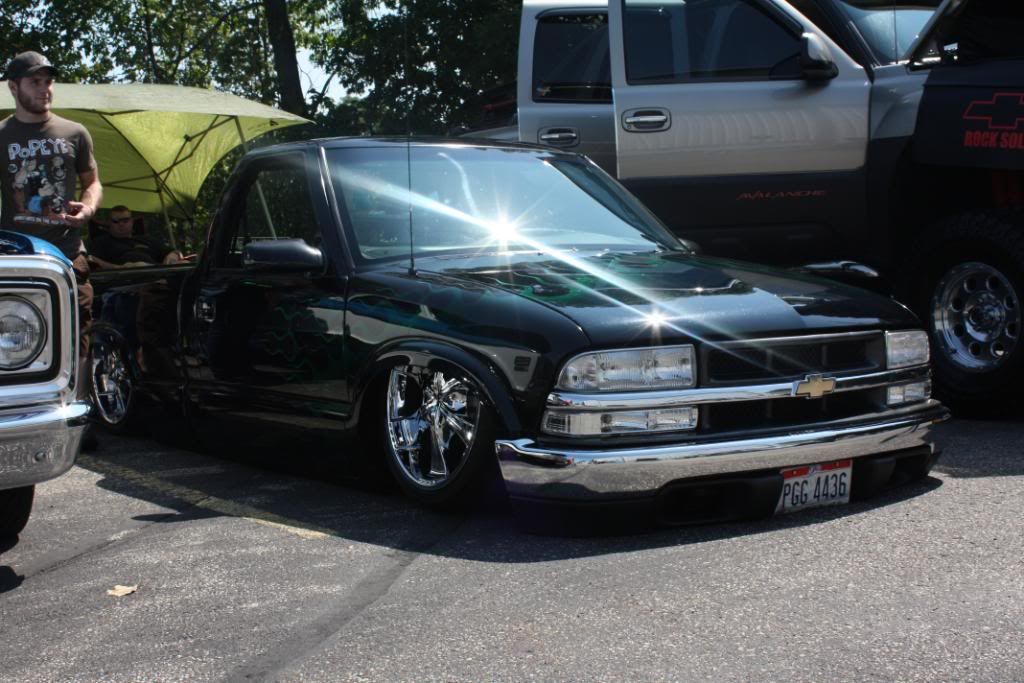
{"points": [[787, 412], [773, 360]]}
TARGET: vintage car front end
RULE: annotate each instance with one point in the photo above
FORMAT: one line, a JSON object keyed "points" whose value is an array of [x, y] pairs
{"points": [[743, 427], [41, 422]]}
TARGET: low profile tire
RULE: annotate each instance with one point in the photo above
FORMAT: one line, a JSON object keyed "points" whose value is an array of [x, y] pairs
{"points": [[438, 434], [113, 383], [15, 508], [968, 288]]}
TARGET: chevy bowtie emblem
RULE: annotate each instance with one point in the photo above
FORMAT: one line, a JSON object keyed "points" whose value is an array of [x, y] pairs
{"points": [[814, 386]]}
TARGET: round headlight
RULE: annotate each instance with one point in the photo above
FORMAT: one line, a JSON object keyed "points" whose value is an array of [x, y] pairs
{"points": [[22, 333]]}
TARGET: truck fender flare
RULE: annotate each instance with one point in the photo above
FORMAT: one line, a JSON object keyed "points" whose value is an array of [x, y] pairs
{"points": [[429, 353]]}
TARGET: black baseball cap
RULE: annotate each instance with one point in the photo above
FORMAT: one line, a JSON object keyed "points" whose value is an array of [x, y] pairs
{"points": [[26, 64]]}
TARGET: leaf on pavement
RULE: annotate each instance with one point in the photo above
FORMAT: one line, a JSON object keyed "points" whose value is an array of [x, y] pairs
{"points": [[121, 591]]}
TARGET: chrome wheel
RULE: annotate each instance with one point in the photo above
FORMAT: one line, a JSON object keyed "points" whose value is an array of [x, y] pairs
{"points": [[976, 313], [111, 382], [432, 422]]}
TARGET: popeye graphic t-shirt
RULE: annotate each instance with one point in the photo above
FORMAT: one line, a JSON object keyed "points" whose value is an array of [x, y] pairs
{"points": [[39, 175]]}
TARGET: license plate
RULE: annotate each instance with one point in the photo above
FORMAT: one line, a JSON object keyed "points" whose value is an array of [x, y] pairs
{"points": [[813, 486]]}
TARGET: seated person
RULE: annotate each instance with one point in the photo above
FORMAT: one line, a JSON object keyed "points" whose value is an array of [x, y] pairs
{"points": [[120, 249]]}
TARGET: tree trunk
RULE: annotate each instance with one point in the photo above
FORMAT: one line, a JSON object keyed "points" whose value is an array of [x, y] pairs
{"points": [[282, 40]]}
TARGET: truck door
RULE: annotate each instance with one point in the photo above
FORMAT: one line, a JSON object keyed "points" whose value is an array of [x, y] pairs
{"points": [[265, 345], [726, 135], [564, 90]]}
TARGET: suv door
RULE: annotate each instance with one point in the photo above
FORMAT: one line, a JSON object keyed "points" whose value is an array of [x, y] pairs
{"points": [[564, 85], [723, 135]]}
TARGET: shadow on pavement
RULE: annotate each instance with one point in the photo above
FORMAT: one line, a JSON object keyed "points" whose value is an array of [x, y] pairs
{"points": [[981, 448], [9, 579], [195, 486]]}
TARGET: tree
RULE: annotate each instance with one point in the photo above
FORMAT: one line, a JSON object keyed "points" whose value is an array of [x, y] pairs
{"points": [[243, 46], [420, 63]]}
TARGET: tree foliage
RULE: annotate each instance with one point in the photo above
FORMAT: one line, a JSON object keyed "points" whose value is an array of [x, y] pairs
{"points": [[223, 43], [411, 64], [420, 63]]}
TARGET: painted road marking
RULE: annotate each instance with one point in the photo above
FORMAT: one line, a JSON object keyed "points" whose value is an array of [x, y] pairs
{"points": [[204, 500]]}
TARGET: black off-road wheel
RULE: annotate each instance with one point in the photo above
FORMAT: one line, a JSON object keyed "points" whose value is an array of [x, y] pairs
{"points": [[967, 285], [438, 434], [15, 509], [113, 382]]}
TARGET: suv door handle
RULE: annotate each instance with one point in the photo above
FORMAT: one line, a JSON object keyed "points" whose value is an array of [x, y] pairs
{"points": [[646, 120], [559, 137]]}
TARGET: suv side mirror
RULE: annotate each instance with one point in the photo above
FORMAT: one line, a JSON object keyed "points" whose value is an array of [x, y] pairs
{"points": [[284, 256], [816, 59]]}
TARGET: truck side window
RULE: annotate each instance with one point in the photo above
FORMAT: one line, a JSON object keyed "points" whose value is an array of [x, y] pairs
{"points": [[674, 41], [570, 59], [275, 204]]}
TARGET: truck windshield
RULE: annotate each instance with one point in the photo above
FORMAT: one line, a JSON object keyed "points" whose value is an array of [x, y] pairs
{"points": [[888, 27], [459, 198]]}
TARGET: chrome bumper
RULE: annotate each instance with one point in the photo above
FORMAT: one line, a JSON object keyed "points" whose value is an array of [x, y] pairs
{"points": [[39, 443], [582, 474]]}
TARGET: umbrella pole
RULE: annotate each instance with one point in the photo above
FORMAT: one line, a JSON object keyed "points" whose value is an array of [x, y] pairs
{"points": [[163, 209], [259, 188]]}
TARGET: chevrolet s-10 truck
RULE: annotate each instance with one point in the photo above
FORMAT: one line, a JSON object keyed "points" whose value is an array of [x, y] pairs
{"points": [[41, 422], [470, 310]]}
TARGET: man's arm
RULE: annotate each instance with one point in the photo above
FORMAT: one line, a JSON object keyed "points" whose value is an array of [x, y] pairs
{"points": [[79, 213]]}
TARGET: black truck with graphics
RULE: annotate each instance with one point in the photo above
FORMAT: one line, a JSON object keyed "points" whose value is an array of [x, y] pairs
{"points": [[852, 138]]}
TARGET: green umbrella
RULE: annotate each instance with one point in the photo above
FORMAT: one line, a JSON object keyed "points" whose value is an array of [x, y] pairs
{"points": [[155, 144]]}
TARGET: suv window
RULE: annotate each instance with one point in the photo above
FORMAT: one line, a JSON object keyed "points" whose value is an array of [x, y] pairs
{"points": [[274, 204], [678, 41], [889, 28], [570, 59]]}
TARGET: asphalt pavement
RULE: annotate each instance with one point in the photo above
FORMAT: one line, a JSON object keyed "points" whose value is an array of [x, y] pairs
{"points": [[237, 572]]}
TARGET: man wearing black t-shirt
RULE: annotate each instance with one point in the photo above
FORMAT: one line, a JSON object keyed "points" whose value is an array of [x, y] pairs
{"points": [[120, 249]]}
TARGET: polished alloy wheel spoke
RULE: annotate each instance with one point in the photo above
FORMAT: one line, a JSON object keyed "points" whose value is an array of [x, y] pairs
{"points": [[460, 426]]}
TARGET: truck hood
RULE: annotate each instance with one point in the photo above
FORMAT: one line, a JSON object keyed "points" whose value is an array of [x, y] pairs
{"points": [[655, 297]]}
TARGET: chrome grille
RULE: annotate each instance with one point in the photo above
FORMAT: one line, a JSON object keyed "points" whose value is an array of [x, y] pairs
{"points": [[790, 358]]}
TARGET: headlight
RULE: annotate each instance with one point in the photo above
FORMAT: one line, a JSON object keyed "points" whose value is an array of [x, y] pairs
{"points": [[664, 367], [22, 333], [903, 349]]}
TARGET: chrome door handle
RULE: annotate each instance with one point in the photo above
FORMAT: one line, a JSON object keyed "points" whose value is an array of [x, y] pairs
{"points": [[559, 137], [646, 120], [651, 118]]}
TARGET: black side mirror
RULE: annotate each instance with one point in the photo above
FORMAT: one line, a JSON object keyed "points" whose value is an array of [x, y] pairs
{"points": [[816, 61], [285, 256]]}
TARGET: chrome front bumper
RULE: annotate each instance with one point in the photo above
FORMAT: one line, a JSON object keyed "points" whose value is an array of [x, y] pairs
{"points": [[584, 474], [40, 442]]}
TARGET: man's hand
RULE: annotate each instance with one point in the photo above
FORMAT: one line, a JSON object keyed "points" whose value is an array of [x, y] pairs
{"points": [[172, 258], [77, 214]]}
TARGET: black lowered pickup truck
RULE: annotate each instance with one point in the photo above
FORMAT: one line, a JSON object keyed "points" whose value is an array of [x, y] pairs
{"points": [[452, 306]]}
